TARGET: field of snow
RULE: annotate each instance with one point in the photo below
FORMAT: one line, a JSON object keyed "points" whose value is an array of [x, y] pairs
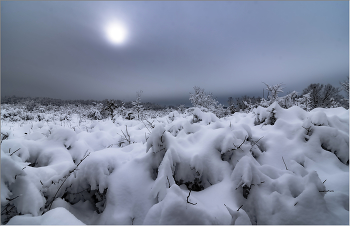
{"points": [[270, 166]]}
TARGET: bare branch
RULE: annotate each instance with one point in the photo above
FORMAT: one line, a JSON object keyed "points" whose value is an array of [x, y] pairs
{"points": [[15, 151], [12, 198], [189, 201], [239, 147], [168, 181], [126, 135], [66, 177], [284, 163]]}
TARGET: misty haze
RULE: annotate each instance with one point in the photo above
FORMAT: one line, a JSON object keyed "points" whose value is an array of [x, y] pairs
{"points": [[175, 112]]}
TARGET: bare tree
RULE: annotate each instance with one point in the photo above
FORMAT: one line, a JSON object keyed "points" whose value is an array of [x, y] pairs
{"points": [[274, 91], [345, 85], [201, 99], [325, 96]]}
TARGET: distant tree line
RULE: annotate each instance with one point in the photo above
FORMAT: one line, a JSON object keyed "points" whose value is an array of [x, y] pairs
{"points": [[315, 95], [45, 101]]}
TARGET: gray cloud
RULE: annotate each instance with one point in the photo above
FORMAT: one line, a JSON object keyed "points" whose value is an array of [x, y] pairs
{"points": [[60, 50]]}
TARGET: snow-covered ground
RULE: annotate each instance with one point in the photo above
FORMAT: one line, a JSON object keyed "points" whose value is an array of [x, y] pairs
{"points": [[270, 166]]}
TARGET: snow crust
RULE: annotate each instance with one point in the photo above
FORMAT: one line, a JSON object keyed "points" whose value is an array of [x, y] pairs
{"points": [[270, 166]]}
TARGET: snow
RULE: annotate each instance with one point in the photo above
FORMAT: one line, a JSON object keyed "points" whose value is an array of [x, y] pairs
{"points": [[269, 166], [58, 216]]}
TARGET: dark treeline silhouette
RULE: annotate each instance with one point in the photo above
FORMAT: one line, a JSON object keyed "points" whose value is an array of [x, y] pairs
{"points": [[45, 101]]}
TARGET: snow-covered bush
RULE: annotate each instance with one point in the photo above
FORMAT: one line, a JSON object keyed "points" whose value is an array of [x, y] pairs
{"points": [[289, 100], [181, 108], [325, 96], [274, 91], [206, 101], [137, 106], [30, 105], [304, 102], [27, 116], [94, 114]]}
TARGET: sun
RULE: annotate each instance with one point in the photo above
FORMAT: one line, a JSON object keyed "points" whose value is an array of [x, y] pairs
{"points": [[116, 33]]}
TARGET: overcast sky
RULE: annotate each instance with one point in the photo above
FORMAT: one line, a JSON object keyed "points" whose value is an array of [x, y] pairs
{"points": [[61, 49]]}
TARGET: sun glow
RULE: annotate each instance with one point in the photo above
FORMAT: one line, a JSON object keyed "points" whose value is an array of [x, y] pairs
{"points": [[116, 33]]}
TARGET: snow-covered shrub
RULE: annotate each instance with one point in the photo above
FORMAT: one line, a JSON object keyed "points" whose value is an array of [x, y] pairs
{"points": [[274, 91], [157, 142], [181, 109], [18, 192], [94, 114], [272, 196], [12, 114], [206, 101], [27, 116], [10, 170], [41, 117], [264, 103], [267, 116], [30, 105], [325, 96], [121, 110], [249, 106], [199, 115], [108, 108], [288, 100], [130, 116], [304, 102], [137, 106]]}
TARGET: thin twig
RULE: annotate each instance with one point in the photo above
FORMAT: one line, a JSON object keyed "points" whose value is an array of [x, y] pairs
{"points": [[327, 191], [168, 181], [145, 126], [12, 198], [245, 139], [8, 210], [15, 151], [5, 136], [127, 136], [284, 163], [70, 172], [7, 205], [257, 141], [189, 201]]}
